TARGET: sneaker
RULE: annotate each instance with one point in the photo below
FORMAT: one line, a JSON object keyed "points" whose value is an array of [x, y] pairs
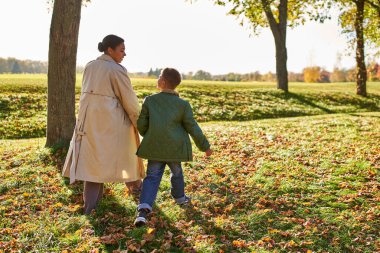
{"points": [[141, 217], [186, 202]]}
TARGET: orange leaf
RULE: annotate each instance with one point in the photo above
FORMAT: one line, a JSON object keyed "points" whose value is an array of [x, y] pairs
{"points": [[218, 171], [292, 243], [371, 173], [239, 243], [229, 208], [266, 239]]}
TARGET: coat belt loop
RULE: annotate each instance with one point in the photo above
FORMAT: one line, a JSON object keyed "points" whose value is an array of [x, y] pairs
{"points": [[81, 133]]}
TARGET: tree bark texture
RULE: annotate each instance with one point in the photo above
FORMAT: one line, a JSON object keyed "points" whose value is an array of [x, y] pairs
{"points": [[64, 30], [279, 33], [361, 71]]}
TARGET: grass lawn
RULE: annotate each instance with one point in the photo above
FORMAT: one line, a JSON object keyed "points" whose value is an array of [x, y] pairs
{"points": [[301, 184], [23, 100]]}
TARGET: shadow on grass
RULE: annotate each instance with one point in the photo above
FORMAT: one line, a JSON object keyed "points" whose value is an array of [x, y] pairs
{"points": [[25, 115], [304, 100], [5, 108], [366, 115], [369, 103], [113, 218], [112, 222], [222, 239]]}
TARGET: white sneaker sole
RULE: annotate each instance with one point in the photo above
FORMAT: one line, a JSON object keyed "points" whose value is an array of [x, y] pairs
{"points": [[140, 221]]}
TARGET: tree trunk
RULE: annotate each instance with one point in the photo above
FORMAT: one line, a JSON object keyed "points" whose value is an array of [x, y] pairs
{"points": [[281, 68], [279, 34], [361, 71], [64, 30]]}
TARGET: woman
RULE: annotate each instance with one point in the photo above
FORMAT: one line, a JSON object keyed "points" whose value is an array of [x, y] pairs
{"points": [[105, 138]]}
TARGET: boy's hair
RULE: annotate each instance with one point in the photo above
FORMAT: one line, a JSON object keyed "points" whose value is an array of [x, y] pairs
{"points": [[172, 77]]}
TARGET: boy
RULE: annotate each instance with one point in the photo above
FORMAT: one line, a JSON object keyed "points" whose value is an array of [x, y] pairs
{"points": [[165, 123]]}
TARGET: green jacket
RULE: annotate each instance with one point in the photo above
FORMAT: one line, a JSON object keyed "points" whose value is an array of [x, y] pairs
{"points": [[165, 123]]}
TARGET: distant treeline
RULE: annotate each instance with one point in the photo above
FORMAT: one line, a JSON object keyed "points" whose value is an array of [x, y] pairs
{"points": [[310, 74], [319, 75], [12, 65], [314, 74], [16, 66]]}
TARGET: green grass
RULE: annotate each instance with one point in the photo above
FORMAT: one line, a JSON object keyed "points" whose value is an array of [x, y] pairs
{"points": [[23, 100], [295, 184], [273, 185]]}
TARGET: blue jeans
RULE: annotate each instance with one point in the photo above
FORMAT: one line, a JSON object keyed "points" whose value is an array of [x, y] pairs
{"points": [[152, 181]]}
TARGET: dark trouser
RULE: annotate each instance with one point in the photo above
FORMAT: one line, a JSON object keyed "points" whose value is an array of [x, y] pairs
{"points": [[152, 182], [92, 194]]}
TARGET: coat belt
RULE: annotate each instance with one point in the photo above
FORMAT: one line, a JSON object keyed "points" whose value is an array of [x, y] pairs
{"points": [[96, 94]]}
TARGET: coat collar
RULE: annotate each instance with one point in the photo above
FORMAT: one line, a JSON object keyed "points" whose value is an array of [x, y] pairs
{"points": [[105, 57], [170, 92]]}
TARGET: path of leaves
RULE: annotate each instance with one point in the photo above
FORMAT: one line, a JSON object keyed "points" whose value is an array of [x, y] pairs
{"points": [[308, 184]]}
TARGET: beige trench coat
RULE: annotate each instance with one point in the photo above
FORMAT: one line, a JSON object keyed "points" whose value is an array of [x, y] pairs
{"points": [[105, 140]]}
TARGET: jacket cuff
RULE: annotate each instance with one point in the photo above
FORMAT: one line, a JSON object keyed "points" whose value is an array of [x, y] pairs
{"points": [[206, 146]]}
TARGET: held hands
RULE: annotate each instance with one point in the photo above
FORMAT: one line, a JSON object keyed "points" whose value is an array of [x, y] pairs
{"points": [[208, 152]]}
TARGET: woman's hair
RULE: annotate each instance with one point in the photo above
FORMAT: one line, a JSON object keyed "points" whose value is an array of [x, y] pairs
{"points": [[172, 77], [111, 41]]}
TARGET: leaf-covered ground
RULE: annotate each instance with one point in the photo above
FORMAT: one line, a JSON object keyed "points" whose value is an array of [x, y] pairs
{"points": [[23, 100], [302, 184]]}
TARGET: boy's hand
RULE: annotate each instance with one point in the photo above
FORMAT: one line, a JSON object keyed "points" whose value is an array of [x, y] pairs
{"points": [[208, 152]]}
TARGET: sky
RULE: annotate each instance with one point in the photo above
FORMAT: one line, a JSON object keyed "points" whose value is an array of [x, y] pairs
{"points": [[171, 33]]}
